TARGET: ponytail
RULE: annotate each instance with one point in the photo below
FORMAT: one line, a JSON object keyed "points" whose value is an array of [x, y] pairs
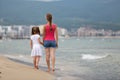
{"points": [[49, 18]]}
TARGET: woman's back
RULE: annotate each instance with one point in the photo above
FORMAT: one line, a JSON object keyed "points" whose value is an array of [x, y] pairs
{"points": [[50, 32]]}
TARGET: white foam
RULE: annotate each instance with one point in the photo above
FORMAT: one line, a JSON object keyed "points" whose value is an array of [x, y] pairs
{"points": [[61, 69], [103, 39], [62, 40], [91, 40], [19, 57], [10, 56], [59, 78], [92, 57], [1, 41]]}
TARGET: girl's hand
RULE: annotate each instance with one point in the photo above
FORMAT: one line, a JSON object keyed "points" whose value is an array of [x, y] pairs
{"points": [[42, 43]]}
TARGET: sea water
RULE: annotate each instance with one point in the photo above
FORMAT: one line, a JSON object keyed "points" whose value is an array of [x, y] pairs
{"points": [[76, 58]]}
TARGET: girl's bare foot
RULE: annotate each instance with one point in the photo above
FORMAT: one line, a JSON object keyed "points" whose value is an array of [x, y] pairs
{"points": [[36, 66], [48, 70]]}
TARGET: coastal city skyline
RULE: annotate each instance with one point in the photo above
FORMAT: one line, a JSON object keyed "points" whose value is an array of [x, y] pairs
{"points": [[24, 32]]}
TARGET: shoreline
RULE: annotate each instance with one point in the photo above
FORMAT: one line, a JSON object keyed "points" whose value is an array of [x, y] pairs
{"points": [[10, 70], [106, 37]]}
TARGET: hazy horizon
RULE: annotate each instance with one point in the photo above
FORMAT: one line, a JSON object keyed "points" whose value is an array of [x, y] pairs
{"points": [[66, 13]]}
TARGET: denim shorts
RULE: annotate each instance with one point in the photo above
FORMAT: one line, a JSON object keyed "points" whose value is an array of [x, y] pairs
{"points": [[50, 43]]}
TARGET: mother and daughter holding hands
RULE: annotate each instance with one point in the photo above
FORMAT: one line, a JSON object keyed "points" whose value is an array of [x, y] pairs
{"points": [[50, 42]]}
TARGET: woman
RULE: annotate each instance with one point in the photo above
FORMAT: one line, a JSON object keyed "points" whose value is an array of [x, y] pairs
{"points": [[50, 39]]}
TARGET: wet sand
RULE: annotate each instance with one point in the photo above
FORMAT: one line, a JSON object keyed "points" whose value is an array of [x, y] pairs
{"points": [[10, 70]]}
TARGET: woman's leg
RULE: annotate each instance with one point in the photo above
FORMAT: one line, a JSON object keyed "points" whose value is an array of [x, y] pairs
{"points": [[47, 51], [37, 61], [52, 54]]}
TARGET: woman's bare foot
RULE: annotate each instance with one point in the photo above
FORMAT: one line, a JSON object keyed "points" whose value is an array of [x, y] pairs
{"points": [[36, 67], [53, 70]]}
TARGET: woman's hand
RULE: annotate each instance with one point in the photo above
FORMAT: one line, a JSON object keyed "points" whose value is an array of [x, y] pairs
{"points": [[56, 45]]}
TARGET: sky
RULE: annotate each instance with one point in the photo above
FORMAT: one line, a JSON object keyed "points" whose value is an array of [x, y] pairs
{"points": [[66, 12]]}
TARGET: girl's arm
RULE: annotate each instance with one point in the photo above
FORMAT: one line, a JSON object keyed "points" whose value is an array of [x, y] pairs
{"points": [[40, 41], [31, 44]]}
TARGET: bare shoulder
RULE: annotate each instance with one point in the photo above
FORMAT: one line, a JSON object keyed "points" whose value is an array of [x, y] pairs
{"points": [[44, 26]]}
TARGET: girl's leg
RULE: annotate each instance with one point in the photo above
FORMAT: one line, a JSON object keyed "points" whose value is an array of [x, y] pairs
{"points": [[52, 54], [47, 51], [37, 61], [34, 61]]}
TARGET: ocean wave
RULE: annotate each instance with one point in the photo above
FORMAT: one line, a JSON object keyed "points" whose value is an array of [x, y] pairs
{"points": [[19, 57], [93, 57]]}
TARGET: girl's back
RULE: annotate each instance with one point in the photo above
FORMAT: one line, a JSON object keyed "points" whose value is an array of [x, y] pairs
{"points": [[35, 38]]}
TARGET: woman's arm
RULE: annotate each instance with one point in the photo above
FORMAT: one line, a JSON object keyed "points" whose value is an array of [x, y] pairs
{"points": [[56, 36], [43, 33]]}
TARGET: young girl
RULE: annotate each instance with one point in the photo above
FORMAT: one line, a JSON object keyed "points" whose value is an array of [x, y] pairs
{"points": [[35, 44]]}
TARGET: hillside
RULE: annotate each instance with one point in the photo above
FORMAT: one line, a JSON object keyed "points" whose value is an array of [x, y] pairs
{"points": [[66, 13]]}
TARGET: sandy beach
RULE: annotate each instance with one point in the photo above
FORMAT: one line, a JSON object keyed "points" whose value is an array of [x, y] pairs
{"points": [[10, 70]]}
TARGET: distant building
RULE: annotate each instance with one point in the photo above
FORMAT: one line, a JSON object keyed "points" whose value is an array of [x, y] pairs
{"points": [[117, 33], [62, 32], [11, 33], [2, 31], [41, 27], [24, 32], [85, 31]]}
